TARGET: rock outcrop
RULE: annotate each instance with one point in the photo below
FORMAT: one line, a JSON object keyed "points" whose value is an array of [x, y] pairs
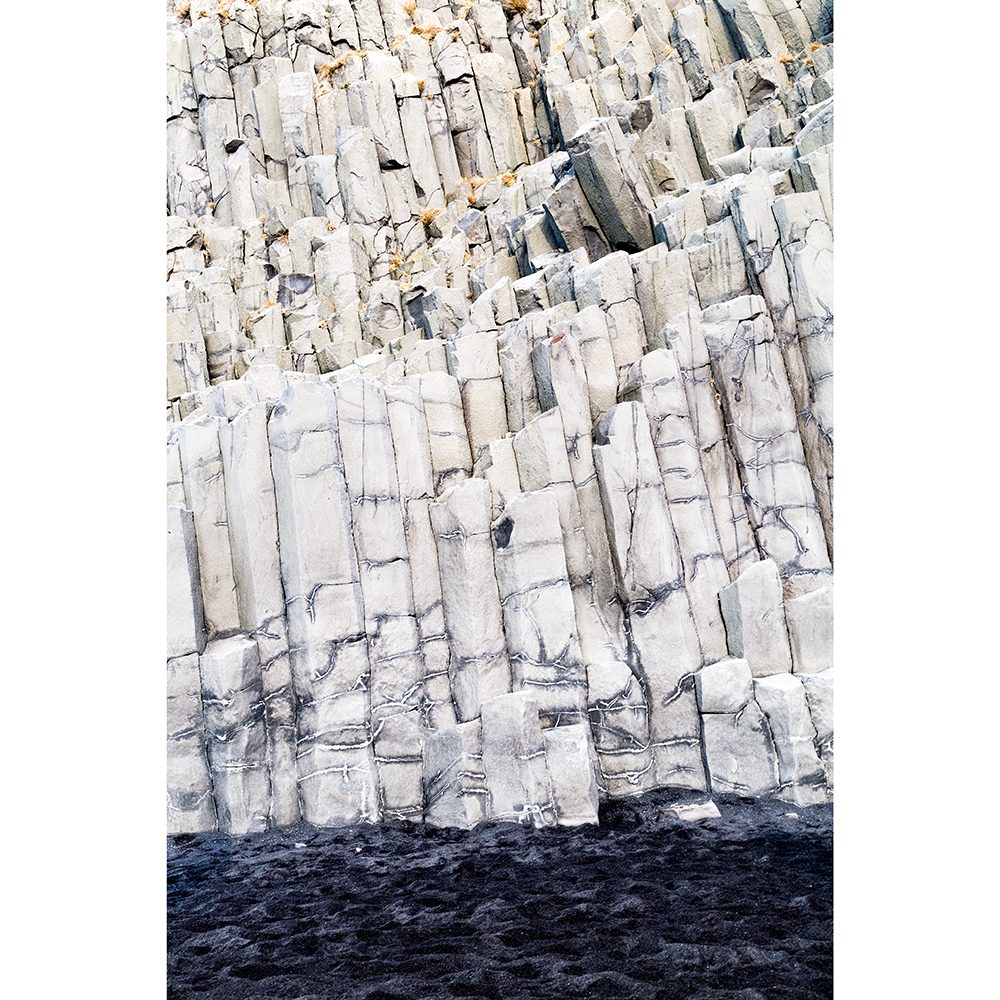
{"points": [[499, 400]]}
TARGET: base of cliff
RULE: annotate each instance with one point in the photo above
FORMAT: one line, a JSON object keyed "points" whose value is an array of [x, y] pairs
{"points": [[646, 905]]}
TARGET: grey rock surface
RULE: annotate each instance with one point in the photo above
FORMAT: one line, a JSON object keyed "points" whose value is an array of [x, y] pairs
{"points": [[499, 394]]}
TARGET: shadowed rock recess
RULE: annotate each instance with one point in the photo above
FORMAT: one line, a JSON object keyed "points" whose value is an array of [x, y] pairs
{"points": [[499, 398]]}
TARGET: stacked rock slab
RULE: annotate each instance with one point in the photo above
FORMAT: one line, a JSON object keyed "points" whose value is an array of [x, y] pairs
{"points": [[499, 398]]}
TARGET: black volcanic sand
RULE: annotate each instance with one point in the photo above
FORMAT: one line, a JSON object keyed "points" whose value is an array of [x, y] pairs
{"points": [[739, 908]]}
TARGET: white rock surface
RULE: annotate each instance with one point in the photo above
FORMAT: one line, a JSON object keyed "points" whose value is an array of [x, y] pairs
{"points": [[499, 363]]}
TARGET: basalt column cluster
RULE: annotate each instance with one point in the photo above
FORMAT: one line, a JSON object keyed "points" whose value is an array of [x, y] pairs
{"points": [[499, 400]]}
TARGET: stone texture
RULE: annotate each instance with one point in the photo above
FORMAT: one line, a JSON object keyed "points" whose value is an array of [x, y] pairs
{"points": [[499, 366], [517, 776], [754, 614]]}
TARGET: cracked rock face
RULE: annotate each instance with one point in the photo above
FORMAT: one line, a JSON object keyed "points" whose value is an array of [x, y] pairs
{"points": [[499, 384]]}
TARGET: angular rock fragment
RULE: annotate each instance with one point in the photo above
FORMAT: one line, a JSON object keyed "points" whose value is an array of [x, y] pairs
{"points": [[810, 631], [724, 687], [755, 620], [739, 752], [571, 774], [612, 184]]}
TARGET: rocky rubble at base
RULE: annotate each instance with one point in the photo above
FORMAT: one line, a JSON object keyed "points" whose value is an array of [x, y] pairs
{"points": [[499, 397]]}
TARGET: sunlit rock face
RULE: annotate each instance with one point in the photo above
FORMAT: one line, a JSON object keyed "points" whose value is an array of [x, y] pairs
{"points": [[500, 408]]}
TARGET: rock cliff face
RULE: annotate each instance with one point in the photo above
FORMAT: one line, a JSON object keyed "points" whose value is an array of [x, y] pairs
{"points": [[499, 389]]}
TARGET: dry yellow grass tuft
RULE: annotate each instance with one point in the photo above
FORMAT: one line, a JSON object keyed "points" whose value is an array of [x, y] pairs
{"points": [[428, 215], [222, 9], [509, 178], [428, 32], [409, 6], [785, 58], [420, 86], [516, 6], [814, 46], [465, 10], [183, 9], [476, 182], [328, 69]]}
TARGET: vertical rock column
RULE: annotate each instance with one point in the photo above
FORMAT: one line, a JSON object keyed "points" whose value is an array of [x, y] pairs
{"points": [[617, 707], [664, 643], [539, 622], [472, 359], [326, 627], [395, 657], [517, 777], [204, 490], [807, 246], [752, 200], [656, 382], [233, 699], [685, 336], [441, 402], [761, 423], [415, 475], [479, 668], [253, 534]]}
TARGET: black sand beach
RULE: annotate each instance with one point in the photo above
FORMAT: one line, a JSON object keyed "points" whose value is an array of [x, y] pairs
{"points": [[645, 906]]}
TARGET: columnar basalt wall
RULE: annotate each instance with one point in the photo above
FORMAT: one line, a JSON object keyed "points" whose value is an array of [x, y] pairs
{"points": [[499, 400]]}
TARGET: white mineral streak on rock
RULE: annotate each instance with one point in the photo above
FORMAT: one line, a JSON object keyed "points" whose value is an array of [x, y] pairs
{"points": [[538, 614], [409, 248], [326, 624], [233, 700], [664, 647], [517, 776], [807, 246], [479, 669], [190, 802]]}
